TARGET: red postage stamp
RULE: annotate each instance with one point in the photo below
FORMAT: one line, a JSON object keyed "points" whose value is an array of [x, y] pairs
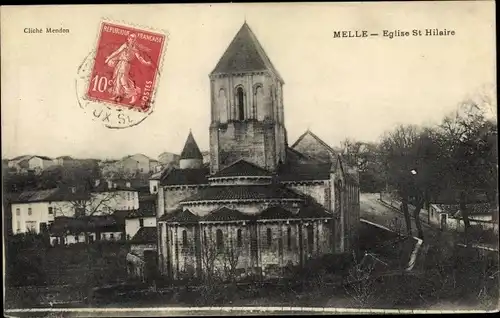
{"points": [[125, 69]]}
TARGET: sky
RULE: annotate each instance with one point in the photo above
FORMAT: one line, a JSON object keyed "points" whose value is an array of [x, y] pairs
{"points": [[338, 88]]}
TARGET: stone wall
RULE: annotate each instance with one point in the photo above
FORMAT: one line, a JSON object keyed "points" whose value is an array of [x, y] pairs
{"points": [[173, 195], [264, 248], [319, 191]]}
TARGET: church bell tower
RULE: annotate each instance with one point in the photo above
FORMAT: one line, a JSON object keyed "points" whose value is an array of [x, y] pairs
{"points": [[247, 117]]}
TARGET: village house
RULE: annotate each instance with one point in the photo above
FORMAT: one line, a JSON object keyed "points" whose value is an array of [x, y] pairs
{"points": [[142, 257], [167, 158], [24, 164], [35, 210], [64, 161], [145, 216], [131, 165], [258, 206], [68, 230]]}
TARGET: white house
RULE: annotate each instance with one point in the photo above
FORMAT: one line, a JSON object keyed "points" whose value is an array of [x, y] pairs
{"points": [[145, 216], [36, 210], [108, 197], [67, 230]]}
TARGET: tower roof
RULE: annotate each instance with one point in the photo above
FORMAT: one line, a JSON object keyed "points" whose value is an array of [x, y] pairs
{"points": [[191, 150], [244, 54]]}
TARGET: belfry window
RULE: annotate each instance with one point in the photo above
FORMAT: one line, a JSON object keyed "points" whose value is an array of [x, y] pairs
{"points": [[240, 98]]}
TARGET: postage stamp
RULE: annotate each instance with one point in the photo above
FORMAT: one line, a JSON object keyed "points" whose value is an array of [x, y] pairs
{"points": [[118, 80]]}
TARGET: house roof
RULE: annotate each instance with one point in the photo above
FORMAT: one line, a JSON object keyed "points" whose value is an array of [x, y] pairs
{"points": [[77, 225], [242, 168], [42, 157], [243, 192], [145, 210], [244, 54], [145, 235], [180, 216], [186, 176], [51, 195], [226, 214], [137, 155], [191, 150], [65, 158], [21, 157]]}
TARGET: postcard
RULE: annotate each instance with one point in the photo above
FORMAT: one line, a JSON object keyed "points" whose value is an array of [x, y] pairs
{"points": [[249, 159]]}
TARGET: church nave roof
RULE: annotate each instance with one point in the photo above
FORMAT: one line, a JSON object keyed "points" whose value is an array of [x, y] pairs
{"points": [[243, 192]]}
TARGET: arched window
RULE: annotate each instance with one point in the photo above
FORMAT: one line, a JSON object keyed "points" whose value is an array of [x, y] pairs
{"points": [[239, 238], [240, 101], [219, 240], [184, 238], [289, 239], [258, 100], [269, 237]]}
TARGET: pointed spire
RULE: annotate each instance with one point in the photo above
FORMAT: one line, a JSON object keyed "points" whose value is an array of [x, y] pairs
{"points": [[191, 150], [245, 54]]}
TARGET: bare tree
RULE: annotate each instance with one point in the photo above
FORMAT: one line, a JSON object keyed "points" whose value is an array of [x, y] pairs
{"points": [[231, 256], [360, 284], [86, 206], [209, 255], [397, 147]]}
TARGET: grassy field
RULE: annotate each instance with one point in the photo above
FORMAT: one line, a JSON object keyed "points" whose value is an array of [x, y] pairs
{"points": [[41, 274]]}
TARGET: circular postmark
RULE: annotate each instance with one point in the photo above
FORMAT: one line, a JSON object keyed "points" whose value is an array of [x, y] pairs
{"points": [[116, 82]]}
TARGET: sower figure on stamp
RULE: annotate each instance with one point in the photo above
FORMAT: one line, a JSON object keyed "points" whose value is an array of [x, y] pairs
{"points": [[122, 86]]}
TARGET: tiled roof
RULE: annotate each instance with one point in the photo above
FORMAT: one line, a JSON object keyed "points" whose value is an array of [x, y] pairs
{"points": [[22, 157], [51, 195], [304, 171], [143, 211], [120, 216], [180, 216], [242, 168], [145, 235], [191, 150], [313, 211], [276, 212], [226, 214], [244, 54], [77, 225], [43, 157], [186, 176], [243, 192]]}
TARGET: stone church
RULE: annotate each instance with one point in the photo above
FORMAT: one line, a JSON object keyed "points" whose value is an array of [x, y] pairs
{"points": [[260, 206]]}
